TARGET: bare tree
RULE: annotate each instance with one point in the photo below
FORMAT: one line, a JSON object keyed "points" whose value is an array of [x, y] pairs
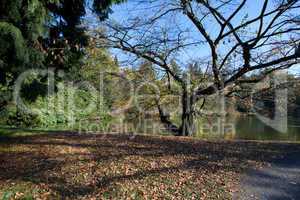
{"points": [[224, 34]]}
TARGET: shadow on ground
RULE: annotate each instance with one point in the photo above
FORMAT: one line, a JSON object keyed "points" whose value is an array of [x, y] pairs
{"points": [[279, 181], [74, 166]]}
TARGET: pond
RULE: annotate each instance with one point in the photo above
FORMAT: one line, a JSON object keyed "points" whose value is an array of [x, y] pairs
{"points": [[252, 128], [240, 127], [244, 127]]}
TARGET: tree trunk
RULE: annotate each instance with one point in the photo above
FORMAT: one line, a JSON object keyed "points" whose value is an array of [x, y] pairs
{"points": [[187, 126], [165, 119], [187, 119]]}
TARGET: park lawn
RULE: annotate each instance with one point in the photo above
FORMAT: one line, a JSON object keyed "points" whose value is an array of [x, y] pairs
{"points": [[65, 165]]}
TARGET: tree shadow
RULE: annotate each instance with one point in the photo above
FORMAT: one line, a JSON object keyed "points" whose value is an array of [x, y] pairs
{"points": [[43, 158], [279, 181]]}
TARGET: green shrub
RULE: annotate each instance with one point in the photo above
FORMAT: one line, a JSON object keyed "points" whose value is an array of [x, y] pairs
{"points": [[65, 107]]}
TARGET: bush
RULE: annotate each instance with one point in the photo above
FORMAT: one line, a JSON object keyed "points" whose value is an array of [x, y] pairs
{"points": [[67, 106]]}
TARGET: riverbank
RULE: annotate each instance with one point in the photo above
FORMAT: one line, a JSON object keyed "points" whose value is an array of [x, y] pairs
{"points": [[68, 165]]}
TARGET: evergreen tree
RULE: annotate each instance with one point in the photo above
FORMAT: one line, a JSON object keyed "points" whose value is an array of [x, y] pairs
{"points": [[21, 27], [43, 33], [68, 37]]}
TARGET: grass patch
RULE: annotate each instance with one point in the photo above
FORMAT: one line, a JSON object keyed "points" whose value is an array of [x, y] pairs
{"points": [[17, 132], [20, 191]]}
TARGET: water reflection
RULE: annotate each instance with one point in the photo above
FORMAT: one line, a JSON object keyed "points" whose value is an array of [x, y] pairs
{"points": [[251, 128], [242, 127]]}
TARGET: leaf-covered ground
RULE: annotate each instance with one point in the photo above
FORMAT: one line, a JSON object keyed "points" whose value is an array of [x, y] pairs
{"points": [[74, 166]]}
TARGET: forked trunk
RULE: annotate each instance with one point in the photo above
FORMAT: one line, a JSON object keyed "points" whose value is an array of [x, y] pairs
{"points": [[187, 119], [187, 127]]}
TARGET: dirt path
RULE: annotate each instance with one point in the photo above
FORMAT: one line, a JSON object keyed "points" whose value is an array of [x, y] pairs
{"points": [[280, 181]]}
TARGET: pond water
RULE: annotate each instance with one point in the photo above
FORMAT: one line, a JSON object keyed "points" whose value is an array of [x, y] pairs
{"points": [[243, 127], [252, 128]]}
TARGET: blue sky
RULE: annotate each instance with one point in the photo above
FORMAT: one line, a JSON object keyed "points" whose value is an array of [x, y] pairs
{"points": [[127, 10]]}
